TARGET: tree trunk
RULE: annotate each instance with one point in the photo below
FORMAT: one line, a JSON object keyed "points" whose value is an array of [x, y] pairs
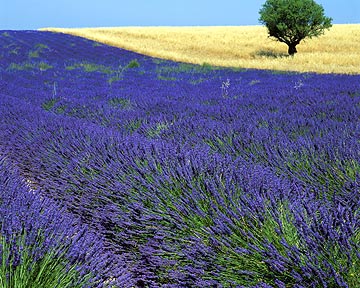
{"points": [[292, 49]]}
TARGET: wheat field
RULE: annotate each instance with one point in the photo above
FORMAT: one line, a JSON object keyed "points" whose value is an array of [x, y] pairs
{"points": [[337, 51]]}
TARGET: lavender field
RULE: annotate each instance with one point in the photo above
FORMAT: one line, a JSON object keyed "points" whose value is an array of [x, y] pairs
{"points": [[140, 172]]}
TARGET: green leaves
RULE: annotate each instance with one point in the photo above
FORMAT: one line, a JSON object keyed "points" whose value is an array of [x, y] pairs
{"points": [[291, 21]]}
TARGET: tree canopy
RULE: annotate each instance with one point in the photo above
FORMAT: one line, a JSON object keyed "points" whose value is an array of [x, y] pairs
{"points": [[291, 21]]}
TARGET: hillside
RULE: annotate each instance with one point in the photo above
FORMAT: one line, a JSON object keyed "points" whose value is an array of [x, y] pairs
{"points": [[338, 51]]}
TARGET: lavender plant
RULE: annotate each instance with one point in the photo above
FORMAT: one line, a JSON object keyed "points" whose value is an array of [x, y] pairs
{"points": [[24, 270], [41, 246]]}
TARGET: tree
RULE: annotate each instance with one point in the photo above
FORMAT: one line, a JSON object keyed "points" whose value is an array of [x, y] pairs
{"points": [[291, 21]]}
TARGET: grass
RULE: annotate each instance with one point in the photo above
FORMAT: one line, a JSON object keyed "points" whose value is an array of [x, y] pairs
{"points": [[338, 51], [90, 67], [114, 75], [42, 66]]}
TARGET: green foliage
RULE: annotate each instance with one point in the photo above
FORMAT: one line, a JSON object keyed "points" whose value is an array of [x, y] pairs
{"points": [[51, 270], [49, 104], [171, 73], [39, 48], [90, 67], [113, 79], [34, 54], [186, 68], [118, 102], [291, 21], [133, 125], [156, 131], [27, 66], [249, 268], [97, 44], [44, 66], [206, 67], [118, 74], [158, 61], [133, 64], [21, 66], [166, 78]]}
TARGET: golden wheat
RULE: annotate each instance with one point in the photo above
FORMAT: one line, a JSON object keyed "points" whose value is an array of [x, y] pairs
{"points": [[338, 51]]}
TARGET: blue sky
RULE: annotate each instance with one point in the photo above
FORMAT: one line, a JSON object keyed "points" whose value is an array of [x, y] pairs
{"points": [[34, 14]]}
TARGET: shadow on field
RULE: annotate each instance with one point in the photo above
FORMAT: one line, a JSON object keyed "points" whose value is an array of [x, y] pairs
{"points": [[270, 54]]}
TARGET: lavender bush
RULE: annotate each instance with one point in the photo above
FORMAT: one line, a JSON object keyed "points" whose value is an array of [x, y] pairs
{"points": [[43, 246], [180, 183]]}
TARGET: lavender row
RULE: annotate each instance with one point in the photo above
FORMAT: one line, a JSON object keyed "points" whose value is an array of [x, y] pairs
{"points": [[40, 226]]}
